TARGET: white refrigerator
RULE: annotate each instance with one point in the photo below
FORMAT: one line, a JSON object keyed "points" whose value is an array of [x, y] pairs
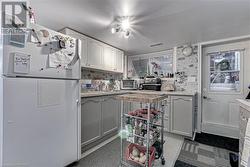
{"points": [[39, 99]]}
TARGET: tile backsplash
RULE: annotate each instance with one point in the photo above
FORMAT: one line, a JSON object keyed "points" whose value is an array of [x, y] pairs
{"points": [[100, 81], [186, 75], [100, 75], [187, 70]]}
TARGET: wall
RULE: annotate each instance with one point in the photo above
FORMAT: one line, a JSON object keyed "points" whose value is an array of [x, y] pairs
{"points": [[100, 75], [188, 66], [100, 80]]}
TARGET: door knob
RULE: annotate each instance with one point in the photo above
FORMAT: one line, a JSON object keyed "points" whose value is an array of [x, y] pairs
{"points": [[207, 98]]}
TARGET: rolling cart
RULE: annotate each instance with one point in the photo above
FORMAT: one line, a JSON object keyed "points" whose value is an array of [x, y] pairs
{"points": [[142, 129]]}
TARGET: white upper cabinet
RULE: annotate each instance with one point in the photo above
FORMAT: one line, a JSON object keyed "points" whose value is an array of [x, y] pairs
{"points": [[94, 54], [119, 61], [109, 58], [97, 55]]}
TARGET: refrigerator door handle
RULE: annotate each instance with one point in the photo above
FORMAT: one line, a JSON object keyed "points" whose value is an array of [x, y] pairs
{"points": [[77, 54]]}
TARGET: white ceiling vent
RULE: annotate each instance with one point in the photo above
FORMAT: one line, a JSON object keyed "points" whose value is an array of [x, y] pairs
{"points": [[155, 45]]}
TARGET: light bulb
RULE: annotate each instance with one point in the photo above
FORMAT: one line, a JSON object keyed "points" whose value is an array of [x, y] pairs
{"points": [[113, 30], [125, 24], [126, 34]]}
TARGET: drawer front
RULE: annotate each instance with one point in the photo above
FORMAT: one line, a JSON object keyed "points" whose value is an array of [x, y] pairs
{"points": [[244, 116], [244, 112]]}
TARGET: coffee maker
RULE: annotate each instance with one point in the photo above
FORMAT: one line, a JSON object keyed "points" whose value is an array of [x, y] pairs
{"points": [[248, 96]]}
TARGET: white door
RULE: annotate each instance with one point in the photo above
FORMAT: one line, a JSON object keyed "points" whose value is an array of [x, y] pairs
{"points": [[224, 81], [40, 122]]}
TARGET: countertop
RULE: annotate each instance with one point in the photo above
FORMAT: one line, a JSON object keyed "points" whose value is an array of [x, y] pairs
{"points": [[244, 103], [140, 97], [170, 93]]}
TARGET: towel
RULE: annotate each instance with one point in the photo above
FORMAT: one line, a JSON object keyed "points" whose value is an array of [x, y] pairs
{"points": [[245, 158]]}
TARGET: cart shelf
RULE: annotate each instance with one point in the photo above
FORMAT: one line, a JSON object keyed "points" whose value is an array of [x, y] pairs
{"points": [[142, 98], [157, 123], [153, 103]]}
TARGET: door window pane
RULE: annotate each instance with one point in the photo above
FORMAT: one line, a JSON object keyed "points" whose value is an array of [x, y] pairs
{"points": [[225, 71]]}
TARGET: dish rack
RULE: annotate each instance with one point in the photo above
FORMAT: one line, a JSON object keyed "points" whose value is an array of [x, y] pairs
{"points": [[142, 130]]}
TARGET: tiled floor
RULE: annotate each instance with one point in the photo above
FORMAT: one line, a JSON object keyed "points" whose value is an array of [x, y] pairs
{"points": [[109, 155], [209, 150], [201, 155]]}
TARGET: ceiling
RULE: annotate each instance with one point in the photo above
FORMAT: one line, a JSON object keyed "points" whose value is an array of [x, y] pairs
{"points": [[171, 22]]}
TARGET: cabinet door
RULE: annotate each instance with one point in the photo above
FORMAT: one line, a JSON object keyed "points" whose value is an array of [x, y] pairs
{"points": [[94, 54], [83, 51], [167, 120], [91, 120], [111, 109], [182, 115], [109, 59], [119, 61]]}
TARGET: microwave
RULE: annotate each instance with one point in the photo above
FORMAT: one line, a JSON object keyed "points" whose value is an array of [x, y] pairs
{"points": [[128, 84]]}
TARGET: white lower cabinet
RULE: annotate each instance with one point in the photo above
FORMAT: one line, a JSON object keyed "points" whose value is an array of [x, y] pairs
{"points": [[100, 116], [167, 118], [182, 114], [178, 114], [91, 117], [244, 116], [110, 115]]}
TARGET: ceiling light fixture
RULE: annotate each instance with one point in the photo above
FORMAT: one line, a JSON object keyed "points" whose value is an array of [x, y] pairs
{"points": [[122, 25], [125, 24]]}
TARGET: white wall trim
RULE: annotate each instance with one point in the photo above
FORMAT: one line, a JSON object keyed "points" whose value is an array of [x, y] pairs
{"points": [[86, 153], [199, 93], [175, 59], [225, 40], [220, 129], [1, 121]]}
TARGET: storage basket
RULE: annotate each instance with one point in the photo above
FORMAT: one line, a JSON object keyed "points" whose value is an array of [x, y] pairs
{"points": [[141, 149]]}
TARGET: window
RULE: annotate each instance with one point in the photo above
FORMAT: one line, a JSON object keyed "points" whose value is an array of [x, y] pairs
{"points": [[162, 65], [141, 65], [225, 71]]}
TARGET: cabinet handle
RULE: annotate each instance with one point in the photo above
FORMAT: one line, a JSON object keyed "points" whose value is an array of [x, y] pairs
{"points": [[243, 118], [107, 99], [207, 98], [183, 99], [94, 101]]}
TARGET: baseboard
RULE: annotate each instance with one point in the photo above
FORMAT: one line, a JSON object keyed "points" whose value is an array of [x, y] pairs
{"points": [[86, 153], [221, 130]]}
